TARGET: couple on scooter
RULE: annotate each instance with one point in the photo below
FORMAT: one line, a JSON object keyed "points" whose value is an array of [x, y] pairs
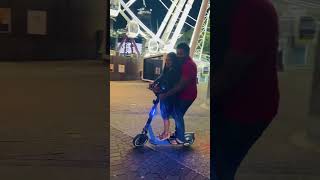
{"points": [[180, 76]]}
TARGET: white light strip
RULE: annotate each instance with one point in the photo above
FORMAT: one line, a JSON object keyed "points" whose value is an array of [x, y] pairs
{"points": [[189, 25], [180, 12], [181, 22], [166, 19], [129, 3]]}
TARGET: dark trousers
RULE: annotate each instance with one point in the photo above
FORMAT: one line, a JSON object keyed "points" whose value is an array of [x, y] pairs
{"points": [[180, 107], [231, 142]]}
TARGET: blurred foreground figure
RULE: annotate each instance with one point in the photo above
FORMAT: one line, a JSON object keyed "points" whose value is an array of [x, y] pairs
{"points": [[245, 84]]}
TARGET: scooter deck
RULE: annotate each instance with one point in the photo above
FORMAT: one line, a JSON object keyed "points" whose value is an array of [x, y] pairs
{"points": [[156, 141]]}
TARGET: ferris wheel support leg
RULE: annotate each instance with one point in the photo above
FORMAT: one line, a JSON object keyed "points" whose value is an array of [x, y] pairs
{"points": [[204, 35], [120, 45], [135, 46], [196, 32]]}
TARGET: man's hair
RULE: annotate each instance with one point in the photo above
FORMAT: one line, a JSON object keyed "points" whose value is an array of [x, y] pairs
{"points": [[185, 48]]}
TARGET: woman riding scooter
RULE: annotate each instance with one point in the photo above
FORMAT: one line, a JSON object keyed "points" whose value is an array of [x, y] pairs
{"points": [[170, 77]]}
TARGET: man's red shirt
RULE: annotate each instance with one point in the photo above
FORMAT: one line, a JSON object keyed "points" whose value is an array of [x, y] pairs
{"points": [[189, 73]]}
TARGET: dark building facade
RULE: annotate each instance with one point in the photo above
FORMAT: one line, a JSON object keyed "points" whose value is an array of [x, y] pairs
{"points": [[75, 29]]}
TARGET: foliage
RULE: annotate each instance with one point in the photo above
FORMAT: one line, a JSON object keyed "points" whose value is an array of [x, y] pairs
{"points": [[186, 37]]}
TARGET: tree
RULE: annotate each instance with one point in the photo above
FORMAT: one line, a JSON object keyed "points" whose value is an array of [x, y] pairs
{"points": [[186, 37]]}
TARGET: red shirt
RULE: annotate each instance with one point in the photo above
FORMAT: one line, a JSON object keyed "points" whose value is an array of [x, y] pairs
{"points": [[189, 73], [254, 33]]}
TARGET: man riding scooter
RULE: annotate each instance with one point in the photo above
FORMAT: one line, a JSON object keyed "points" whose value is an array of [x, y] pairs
{"points": [[185, 91]]}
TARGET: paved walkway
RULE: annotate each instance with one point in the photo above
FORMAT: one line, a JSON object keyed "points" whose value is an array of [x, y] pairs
{"points": [[282, 153], [53, 126], [276, 156], [130, 105], [129, 163]]}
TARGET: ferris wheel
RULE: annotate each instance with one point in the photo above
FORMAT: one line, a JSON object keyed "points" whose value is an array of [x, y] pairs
{"points": [[169, 31]]}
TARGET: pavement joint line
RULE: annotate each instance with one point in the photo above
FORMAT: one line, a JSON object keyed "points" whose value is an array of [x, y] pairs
{"points": [[165, 154]]}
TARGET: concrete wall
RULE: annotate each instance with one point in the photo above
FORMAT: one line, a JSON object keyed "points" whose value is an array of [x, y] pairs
{"points": [[131, 68], [295, 89], [72, 27]]}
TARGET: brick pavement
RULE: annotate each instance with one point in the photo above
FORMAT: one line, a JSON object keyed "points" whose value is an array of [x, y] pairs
{"points": [[276, 155], [130, 104], [129, 163]]}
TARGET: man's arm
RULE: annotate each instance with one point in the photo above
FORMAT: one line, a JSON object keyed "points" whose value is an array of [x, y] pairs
{"points": [[187, 74], [182, 84]]}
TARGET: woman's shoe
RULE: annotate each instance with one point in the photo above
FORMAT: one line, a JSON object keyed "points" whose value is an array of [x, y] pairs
{"points": [[160, 136], [165, 136], [176, 141]]}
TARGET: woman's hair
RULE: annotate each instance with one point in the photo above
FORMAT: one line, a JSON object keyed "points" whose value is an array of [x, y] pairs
{"points": [[174, 61]]}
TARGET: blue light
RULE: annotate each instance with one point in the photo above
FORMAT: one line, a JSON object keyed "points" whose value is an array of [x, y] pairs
{"points": [[153, 112]]}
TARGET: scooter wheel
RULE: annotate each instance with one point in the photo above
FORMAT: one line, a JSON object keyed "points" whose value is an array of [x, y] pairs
{"points": [[140, 140], [189, 140]]}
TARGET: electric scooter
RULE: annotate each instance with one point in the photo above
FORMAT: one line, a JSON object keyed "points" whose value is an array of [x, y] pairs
{"points": [[147, 133]]}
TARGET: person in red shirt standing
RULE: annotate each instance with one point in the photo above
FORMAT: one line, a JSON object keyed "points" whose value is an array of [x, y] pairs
{"points": [[186, 90], [245, 87]]}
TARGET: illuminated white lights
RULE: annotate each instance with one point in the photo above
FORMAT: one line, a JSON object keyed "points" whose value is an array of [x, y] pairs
{"points": [[133, 29]]}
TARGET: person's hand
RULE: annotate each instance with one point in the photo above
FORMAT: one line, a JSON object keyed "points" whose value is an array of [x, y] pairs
{"points": [[150, 86], [156, 89], [162, 96]]}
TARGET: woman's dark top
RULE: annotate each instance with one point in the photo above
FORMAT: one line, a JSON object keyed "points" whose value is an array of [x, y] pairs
{"points": [[169, 77]]}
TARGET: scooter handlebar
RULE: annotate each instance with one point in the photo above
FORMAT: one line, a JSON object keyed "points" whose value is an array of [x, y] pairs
{"points": [[155, 88], [155, 101]]}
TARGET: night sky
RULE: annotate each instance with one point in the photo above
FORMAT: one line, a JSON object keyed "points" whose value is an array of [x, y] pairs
{"points": [[158, 12]]}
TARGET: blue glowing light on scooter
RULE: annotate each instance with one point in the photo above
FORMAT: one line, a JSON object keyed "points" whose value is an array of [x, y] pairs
{"points": [[147, 134], [153, 112]]}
